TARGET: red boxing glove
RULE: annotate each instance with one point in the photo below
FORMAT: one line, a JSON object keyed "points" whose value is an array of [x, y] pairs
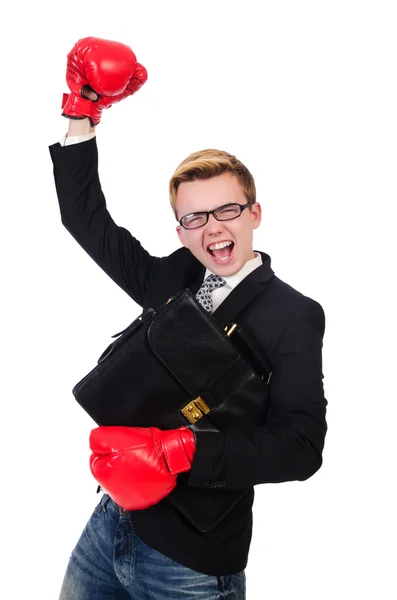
{"points": [[107, 68], [138, 466]]}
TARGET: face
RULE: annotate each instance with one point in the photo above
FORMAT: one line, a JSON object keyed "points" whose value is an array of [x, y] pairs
{"points": [[208, 194]]}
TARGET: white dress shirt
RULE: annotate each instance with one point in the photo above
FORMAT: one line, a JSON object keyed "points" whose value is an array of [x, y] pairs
{"points": [[76, 139], [218, 295]]}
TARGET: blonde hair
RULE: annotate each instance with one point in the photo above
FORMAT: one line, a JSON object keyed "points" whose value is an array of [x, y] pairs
{"points": [[209, 163]]}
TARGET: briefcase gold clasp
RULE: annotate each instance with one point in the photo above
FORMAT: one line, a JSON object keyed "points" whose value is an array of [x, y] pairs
{"points": [[195, 410]]}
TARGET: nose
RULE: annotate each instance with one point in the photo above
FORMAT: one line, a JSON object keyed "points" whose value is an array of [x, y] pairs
{"points": [[213, 226]]}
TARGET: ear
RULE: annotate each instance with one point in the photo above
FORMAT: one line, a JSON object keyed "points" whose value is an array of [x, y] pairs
{"points": [[256, 215], [179, 231]]}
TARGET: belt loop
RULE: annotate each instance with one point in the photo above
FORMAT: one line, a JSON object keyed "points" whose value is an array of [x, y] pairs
{"points": [[104, 500]]}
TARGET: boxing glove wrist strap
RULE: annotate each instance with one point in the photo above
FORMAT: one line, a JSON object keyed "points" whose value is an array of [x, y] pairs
{"points": [[78, 107], [178, 447]]}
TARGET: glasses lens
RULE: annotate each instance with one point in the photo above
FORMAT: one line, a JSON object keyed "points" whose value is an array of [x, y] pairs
{"points": [[229, 211], [194, 220]]}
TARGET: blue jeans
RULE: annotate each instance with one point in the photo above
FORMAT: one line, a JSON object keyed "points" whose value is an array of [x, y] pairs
{"points": [[111, 562]]}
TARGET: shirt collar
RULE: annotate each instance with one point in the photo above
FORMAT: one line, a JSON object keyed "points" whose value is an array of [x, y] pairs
{"points": [[233, 280]]}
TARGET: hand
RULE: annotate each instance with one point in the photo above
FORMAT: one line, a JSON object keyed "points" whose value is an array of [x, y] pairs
{"points": [[99, 73], [138, 466]]}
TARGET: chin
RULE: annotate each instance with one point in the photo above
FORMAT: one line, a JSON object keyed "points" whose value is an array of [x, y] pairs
{"points": [[228, 271]]}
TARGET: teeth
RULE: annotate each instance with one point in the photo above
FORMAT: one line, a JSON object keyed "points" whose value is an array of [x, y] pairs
{"points": [[219, 246]]}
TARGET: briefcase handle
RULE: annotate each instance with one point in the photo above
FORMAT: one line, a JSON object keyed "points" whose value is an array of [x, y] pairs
{"points": [[126, 333]]}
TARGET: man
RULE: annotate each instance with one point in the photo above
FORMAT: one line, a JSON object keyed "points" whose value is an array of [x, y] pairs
{"points": [[153, 552]]}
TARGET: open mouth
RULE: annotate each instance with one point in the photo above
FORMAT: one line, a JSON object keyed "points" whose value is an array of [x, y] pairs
{"points": [[221, 252]]}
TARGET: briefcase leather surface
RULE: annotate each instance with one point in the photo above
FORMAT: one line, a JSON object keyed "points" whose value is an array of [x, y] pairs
{"points": [[171, 367]]}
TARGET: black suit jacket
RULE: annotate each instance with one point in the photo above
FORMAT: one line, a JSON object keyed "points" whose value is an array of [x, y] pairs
{"points": [[287, 325]]}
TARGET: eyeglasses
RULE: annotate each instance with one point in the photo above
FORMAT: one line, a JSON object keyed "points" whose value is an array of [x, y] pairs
{"points": [[222, 213]]}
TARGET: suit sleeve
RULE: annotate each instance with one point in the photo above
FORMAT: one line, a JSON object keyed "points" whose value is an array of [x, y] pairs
{"points": [[84, 214], [289, 445]]}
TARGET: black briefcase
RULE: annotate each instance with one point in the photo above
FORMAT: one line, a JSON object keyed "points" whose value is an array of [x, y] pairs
{"points": [[176, 366]]}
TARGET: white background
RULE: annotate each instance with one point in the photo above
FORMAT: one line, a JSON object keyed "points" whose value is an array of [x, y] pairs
{"points": [[304, 93]]}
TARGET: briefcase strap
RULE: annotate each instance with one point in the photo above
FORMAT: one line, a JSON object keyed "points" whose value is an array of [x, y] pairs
{"points": [[253, 354]]}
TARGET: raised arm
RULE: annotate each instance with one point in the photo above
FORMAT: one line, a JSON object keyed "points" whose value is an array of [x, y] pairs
{"points": [[81, 200], [84, 214]]}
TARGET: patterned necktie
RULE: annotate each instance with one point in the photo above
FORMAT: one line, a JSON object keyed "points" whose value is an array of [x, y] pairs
{"points": [[203, 296]]}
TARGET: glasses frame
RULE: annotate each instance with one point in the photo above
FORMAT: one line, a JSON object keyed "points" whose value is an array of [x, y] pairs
{"points": [[212, 212]]}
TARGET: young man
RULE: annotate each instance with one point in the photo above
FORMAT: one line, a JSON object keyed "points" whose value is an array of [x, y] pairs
{"points": [[153, 552]]}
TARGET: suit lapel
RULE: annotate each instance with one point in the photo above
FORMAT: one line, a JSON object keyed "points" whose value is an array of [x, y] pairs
{"points": [[244, 292]]}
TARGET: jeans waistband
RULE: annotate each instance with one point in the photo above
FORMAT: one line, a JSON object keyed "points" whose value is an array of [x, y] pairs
{"points": [[106, 499]]}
